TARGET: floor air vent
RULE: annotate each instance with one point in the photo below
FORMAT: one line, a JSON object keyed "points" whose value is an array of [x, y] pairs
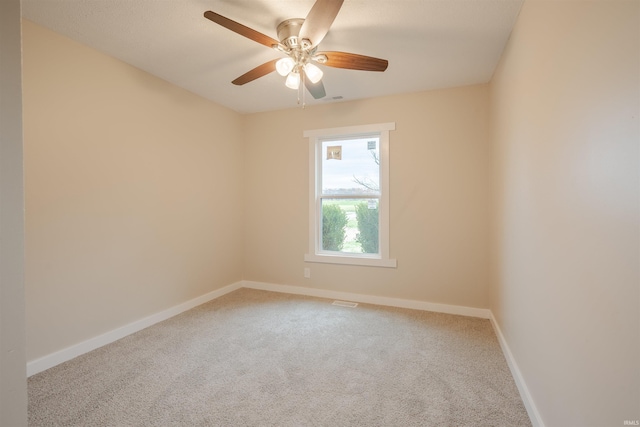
{"points": [[345, 304]]}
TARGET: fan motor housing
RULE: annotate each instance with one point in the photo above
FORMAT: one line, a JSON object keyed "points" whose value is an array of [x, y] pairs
{"points": [[288, 32]]}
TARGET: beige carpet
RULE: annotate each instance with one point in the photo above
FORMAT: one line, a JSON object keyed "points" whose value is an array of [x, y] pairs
{"points": [[256, 358]]}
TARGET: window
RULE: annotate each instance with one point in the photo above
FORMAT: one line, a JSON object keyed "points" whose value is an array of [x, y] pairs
{"points": [[349, 195]]}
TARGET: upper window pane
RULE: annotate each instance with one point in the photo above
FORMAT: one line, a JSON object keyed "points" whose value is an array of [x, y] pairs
{"points": [[351, 166]]}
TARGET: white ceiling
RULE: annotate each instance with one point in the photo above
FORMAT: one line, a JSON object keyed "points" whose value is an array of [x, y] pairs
{"points": [[430, 44]]}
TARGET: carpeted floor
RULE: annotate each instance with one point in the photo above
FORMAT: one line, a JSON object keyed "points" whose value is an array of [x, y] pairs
{"points": [[257, 358]]}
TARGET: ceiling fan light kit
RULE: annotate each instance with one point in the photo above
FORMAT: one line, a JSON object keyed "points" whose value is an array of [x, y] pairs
{"points": [[293, 80], [284, 66], [299, 40], [313, 72], [287, 66]]}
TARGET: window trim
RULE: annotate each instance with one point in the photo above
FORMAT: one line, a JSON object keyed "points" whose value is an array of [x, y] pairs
{"points": [[314, 253]]}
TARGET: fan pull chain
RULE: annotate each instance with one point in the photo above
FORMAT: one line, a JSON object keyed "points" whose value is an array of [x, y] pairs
{"points": [[302, 88]]}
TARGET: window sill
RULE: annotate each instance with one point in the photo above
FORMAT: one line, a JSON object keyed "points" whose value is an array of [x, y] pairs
{"points": [[351, 260]]}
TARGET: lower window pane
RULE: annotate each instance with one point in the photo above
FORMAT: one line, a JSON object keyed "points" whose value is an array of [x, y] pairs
{"points": [[350, 225]]}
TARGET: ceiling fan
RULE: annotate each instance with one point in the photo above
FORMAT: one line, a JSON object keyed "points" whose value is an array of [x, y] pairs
{"points": [[299, 40]]}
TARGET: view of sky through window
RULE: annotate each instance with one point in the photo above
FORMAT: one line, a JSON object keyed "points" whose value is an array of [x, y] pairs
{"points": [[355, 168]]}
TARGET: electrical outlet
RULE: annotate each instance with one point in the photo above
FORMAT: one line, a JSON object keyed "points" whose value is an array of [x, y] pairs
{"points": [[307, 273]]}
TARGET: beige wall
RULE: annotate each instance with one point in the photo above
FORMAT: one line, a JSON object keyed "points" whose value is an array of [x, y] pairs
{"points": [[136, 192], [13, 370], [133, 193], [565, 107], [439, 208]]}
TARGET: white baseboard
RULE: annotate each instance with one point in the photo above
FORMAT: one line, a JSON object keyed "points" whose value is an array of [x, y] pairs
{"points": [[51, 360], [529, 404], [370, 299]]}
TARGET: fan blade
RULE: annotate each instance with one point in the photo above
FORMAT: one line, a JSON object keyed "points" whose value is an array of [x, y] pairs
{"points": [[315, 89], [353, 61], [241, 29], [259, 71], [319, 20]]}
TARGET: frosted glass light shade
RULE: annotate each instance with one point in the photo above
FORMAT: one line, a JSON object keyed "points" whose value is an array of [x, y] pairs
{"points": [[284, 66], [314, 73], [293, 80]]}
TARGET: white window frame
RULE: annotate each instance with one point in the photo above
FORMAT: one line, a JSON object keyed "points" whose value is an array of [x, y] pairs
{"points": [[315, 253]]}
